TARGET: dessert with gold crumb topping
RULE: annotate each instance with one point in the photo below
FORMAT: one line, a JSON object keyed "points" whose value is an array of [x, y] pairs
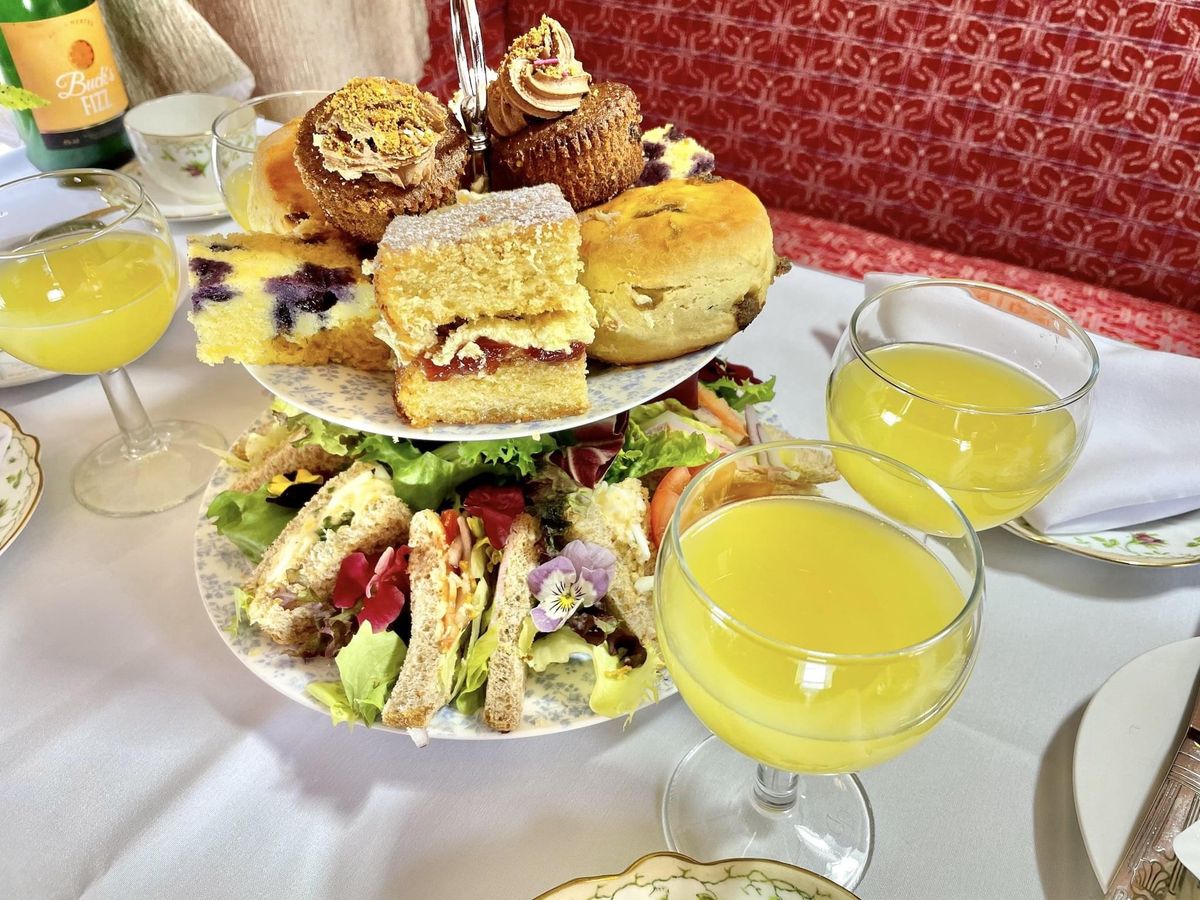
{"points": [[378, 148], [550, 125]]}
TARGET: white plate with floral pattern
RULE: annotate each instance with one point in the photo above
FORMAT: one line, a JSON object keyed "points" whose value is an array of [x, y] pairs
{"points": [[14, 373], [555, 700], [170, 204], [1166, 543], [20, 480], [670, 876], [363, 400]]}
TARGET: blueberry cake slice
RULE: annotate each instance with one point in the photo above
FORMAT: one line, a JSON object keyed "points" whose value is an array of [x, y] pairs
{"points": [[266, 298], [671, 154]]}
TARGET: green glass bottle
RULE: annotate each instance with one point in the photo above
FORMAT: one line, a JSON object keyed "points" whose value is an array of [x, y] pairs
{"points": [[59, 50]]}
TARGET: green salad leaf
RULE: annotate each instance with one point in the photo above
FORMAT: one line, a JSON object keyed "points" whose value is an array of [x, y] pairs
{"points": [[616, 690], [369, 666], [520, 453], [740, 395], [248, 520], [643, 453]]}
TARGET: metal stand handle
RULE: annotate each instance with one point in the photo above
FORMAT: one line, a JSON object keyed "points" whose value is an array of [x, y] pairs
{"points": [[472, 77]]}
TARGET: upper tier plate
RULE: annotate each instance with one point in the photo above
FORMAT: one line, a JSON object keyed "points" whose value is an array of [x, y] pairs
{"points": [[363, 400]]}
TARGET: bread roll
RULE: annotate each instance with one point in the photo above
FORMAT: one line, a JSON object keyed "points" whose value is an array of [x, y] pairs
{"points": [[279, 203], [674, 267]]}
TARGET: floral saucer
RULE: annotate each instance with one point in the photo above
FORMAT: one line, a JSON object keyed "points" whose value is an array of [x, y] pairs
{"points": [[1163, 544], [20, 479], [174, 207], [670, 876]]}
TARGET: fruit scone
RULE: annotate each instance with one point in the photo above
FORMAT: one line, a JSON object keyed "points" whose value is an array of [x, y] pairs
{"points": [[482, 306], [266, 298]]}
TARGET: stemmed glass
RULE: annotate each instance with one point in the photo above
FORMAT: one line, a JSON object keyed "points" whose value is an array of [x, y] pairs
{"points": [[89, 280], [815, 635], [985, 389], [238, 132]]}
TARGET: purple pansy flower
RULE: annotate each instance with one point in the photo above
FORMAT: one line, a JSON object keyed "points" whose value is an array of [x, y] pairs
{"points": [[579, 576]]}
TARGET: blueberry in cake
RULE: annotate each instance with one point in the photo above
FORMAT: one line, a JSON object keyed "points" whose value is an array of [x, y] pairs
{"points": [[265, 298]]}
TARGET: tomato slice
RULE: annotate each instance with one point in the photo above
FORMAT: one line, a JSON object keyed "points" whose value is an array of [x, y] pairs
{"points": [[665, 499], [450, 524]]}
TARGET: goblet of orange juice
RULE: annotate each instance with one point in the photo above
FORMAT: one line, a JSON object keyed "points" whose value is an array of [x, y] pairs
{"points": [[88, 283], [984, 389], [815, 635]]}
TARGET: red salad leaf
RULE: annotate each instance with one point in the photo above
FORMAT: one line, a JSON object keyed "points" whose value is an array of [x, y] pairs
{"points": [[718, 368], [686, 392], [497, 507], [593, 451]]}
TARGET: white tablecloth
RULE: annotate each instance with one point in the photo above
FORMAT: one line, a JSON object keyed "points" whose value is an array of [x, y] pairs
{"points": [[138, 758]]}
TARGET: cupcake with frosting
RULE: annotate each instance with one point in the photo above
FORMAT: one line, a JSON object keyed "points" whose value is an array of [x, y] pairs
{"points": [[550, 124], [378, 148]]}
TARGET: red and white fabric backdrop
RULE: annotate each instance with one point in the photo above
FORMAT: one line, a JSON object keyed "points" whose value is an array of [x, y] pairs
{"points": [[968, 137]]}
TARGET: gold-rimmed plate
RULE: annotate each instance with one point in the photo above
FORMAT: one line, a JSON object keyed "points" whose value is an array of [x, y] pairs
{"points": [[676, 876], [1166, 543], [20, 481]]}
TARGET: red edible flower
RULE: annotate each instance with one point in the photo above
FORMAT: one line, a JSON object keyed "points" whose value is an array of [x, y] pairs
{"points": [[497, 507], [379, 581]]}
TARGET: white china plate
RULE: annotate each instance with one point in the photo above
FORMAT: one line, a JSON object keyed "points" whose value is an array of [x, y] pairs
{"points": [[1126, 740], [670, 876], [14, 372], [20, 482], [363, 400], [555, 701], [174, 207], [1165, 543]]}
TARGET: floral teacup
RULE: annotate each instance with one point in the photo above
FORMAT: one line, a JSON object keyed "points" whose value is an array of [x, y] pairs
{"points": [[172, 137]]}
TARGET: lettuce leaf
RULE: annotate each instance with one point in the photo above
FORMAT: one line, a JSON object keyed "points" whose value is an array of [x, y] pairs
{"points": [[368, 665], [520, 453], [739, 395], [248, 520], [241, 603], [473, 672], [620, 690], [643, 453], [617, 690]]}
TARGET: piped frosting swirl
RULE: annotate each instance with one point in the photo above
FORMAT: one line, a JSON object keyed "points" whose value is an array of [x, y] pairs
{"points": [[375, 126], [540, 78]]}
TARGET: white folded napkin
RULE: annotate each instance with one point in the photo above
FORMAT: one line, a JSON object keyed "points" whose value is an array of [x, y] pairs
{"points": [[1142, 459], [1187, 848]]}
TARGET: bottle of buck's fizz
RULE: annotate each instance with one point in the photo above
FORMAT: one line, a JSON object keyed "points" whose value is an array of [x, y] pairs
{"points": [[59, 50]]}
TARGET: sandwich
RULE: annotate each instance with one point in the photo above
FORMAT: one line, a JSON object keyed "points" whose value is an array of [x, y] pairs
{"points": [[458, 573], [356, 511], [445, 576]]}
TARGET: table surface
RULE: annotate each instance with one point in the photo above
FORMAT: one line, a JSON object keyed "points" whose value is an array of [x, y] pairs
{"points": [[138, 757]]}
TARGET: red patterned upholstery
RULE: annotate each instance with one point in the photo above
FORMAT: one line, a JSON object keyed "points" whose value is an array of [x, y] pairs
{"points": [[1058, 135], [846, 250]]}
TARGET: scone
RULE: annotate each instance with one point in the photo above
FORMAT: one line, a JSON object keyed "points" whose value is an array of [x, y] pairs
{"points": [[267, 299], [550, 125], [375, 149], [674, 267]]}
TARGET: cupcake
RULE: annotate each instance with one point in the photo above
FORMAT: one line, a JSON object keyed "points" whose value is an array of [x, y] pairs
{"points": [[377, 148], [550, 124]]}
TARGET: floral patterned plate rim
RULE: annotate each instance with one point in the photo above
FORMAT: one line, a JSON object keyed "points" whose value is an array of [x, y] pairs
{"points": [[1166, 543], [661, 875], [20, 481], [170, 204], [14, 372], [555, 701], [363, 400]]}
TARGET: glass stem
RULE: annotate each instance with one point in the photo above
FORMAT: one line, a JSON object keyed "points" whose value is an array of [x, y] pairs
{"points": [[774, 789], [136, 431]]}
